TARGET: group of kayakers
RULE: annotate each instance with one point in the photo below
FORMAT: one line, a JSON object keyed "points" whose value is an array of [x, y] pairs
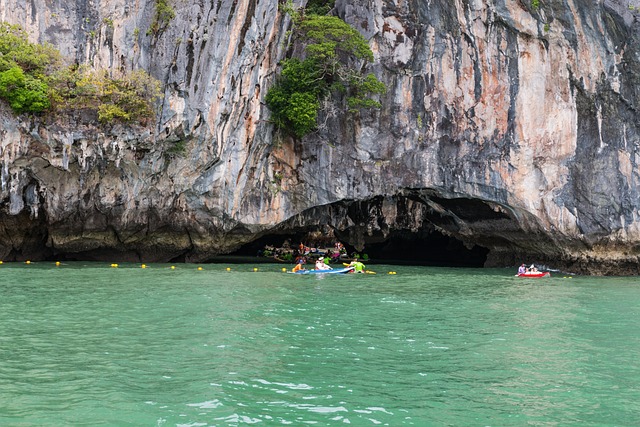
{"points": [[524, 269], [322, 263]]}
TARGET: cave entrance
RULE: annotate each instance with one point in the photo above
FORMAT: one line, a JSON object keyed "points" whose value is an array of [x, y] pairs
{"points": [[403, 248], [436, 249]]}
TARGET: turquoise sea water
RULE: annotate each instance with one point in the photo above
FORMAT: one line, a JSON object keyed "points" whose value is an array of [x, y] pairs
{"points": [[88, 345]]}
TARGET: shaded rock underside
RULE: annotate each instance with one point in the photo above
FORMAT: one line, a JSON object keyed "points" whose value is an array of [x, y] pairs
{"points": [[414, 226]]}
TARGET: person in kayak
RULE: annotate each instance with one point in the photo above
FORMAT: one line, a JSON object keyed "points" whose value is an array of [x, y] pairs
{"points": [[299, 265], [357, 265], [320, 265], [522, 269]]}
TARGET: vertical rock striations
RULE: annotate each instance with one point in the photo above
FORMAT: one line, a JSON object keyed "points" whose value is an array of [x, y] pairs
{"points": [[511, 125]]}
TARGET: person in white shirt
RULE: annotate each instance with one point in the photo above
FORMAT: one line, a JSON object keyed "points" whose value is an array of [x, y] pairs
{"points": [[320, 265]]}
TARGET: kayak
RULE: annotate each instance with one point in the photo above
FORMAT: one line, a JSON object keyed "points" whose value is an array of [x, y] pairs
{"points": [[535, 275], [340, 271]]}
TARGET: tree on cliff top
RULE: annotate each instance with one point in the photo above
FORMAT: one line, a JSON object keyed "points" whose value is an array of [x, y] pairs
{"points": [[331, 53]]}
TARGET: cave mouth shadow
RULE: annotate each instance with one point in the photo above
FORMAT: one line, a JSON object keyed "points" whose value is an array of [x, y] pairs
{"points": [[436, 249], [400, 248]]}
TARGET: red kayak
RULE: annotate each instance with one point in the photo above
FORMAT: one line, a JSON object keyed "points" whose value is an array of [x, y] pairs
{"points": [[535, 275]]}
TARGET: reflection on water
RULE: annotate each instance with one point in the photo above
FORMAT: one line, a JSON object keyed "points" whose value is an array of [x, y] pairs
{"points": [[85, 344]]}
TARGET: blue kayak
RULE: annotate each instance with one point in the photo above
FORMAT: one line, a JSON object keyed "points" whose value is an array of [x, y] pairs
{"points": [[340, 271]]}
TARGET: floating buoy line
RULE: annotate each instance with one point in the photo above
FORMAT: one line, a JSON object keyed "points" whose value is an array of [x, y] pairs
{"points": [[199, 268]]}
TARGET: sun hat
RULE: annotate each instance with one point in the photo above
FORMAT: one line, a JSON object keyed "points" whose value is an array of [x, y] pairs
{"points": [[321, 258]]}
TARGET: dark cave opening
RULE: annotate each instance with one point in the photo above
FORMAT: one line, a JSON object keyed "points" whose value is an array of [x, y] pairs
{"points": [[433, 249]]}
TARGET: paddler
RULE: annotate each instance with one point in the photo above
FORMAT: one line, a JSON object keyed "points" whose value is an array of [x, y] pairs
{"points": [[298, 266], [357, 265]]}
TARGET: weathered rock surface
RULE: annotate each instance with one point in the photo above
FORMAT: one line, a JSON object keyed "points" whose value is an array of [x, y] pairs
{"points": [[506, 126]]}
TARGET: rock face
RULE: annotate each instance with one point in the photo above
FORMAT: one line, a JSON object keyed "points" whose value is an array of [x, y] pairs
{"points": [[509, 125]]}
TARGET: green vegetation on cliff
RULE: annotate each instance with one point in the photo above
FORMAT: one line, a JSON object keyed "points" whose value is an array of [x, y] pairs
{"points": [[33, 79], [23, 92], [127, 99], [333, 54], [163, 15], [24, 68], [319, 7]]}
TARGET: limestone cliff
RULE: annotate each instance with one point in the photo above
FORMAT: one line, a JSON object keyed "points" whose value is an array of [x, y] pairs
{"points": [[509, 125]]}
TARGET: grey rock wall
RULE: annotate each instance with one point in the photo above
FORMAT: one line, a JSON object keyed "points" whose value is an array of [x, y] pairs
{"points": [[504, 125]]}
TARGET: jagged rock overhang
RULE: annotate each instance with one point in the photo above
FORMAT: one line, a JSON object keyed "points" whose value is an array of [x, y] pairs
{"points": [[425, 227]]}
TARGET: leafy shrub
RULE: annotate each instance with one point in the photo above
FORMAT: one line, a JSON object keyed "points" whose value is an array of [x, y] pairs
{"points": [[294, 102], [33, 80], [332, 49], [23, 70], [16, 50], [132, 94], [178, 148], [164, 14], [23, 92], [327, 37], [107, 113], [129, 98], [361, 88], [319, 7]]}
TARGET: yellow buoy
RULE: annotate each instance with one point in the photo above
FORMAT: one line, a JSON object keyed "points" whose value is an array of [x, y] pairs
{"points": [[1, 262], [27, 262], [199, 268], [255, 268], [114, 265], [173, 267], [143, 266], [57, 263], [284, 270], [228, 268]]}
